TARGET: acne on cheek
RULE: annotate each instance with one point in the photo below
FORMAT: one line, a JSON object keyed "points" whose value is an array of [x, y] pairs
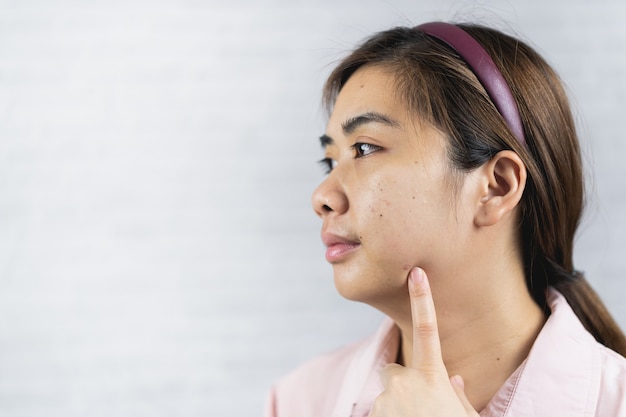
{"points": [[374, 209]]}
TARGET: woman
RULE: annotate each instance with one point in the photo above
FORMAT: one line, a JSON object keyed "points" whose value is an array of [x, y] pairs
{"points": [[453, 194]]}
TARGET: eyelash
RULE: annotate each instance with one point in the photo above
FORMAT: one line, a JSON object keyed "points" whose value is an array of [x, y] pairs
{"points": [[328, 164]]}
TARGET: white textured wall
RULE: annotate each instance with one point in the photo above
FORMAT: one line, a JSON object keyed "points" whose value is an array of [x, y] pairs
{"points": [[158, 255]]}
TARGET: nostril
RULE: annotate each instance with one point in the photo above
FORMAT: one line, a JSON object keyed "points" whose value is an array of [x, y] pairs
{"points": [[326, 207]]}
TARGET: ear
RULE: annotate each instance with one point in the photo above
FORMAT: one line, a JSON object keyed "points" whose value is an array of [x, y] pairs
{"points": [[503, 180]]}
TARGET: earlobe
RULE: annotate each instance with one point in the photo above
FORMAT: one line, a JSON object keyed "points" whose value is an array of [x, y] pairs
{"points": [[504, 180]]}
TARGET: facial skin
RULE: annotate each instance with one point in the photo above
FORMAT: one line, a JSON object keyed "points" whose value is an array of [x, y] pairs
{"points": [[390, 195], [392, 202]]}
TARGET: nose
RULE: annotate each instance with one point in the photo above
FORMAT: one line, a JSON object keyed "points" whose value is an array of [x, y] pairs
{"points": [[329, 197]]}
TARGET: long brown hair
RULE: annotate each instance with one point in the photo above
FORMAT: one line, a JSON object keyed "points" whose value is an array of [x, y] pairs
{"points": [[438, 86]]}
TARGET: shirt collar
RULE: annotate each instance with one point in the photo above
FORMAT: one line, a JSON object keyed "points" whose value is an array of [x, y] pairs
{"points": [[560, 376], [362, 381]]}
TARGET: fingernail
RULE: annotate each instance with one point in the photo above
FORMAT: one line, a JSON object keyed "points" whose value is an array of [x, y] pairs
{"points": [[458, 381], [417, 275]]}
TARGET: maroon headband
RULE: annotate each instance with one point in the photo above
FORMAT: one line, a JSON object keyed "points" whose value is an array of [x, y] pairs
{"points": [[483, 67]]}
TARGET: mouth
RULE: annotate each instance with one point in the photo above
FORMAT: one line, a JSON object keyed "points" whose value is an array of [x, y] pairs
{"points": [[338, 248]]}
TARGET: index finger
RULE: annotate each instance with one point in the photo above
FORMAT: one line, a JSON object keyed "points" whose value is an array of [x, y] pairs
{"points": [[426, 344]]}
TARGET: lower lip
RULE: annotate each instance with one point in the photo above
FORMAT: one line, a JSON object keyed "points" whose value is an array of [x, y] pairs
{"points": [[339, 251]]}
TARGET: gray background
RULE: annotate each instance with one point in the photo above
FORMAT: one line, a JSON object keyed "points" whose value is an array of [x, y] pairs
{"points": [[158, 254]]}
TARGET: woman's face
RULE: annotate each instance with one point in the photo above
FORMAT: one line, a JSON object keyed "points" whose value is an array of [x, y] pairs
{"points": [[388, 203]]}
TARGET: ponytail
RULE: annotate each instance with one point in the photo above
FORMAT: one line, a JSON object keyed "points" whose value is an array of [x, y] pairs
{"points": [[591, 311]]}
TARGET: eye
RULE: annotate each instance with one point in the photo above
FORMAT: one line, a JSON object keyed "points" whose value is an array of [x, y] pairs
{"points": [[364, 149], [328, 164]]}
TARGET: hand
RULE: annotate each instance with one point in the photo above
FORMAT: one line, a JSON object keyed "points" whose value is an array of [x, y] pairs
{"points": [[424, 388]]}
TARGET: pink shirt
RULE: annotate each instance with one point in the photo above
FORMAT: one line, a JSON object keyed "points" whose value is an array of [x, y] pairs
{"points": [[567, 373]]}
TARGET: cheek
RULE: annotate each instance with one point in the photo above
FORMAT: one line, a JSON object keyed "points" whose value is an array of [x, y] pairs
{"points": [[384, 193], [392, 221], [380, 209], [392, 206], [402, 224]]}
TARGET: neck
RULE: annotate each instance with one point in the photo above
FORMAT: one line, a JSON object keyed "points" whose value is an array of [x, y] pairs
{"points": [[485, 334]]}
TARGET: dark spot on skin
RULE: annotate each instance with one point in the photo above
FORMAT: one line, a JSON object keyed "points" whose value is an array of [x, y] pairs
{"points": [[497, 359], [380, 215], [381, 189], [406, 267], [413, 197]]}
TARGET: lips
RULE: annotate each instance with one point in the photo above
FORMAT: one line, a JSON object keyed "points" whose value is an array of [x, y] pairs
{"points": [[338, 247]]}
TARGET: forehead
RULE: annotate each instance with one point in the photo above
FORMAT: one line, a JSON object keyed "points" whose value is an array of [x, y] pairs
{"points": [[369, 89]]}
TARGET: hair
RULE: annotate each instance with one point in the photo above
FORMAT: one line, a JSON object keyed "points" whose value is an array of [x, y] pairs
{"points": [[438, 86]]}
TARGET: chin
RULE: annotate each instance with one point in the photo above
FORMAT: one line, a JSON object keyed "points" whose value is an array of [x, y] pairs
{"points": [[349, 292], [371, 290]]}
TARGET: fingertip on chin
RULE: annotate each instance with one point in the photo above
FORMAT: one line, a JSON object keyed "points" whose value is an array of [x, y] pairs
{"points": [[458, 381]]}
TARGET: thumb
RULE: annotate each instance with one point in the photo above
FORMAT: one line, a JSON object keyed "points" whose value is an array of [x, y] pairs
{"points": [[459, 387]]}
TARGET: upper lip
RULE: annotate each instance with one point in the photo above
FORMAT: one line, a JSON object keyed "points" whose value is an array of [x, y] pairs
{"points": [[331, 239]]}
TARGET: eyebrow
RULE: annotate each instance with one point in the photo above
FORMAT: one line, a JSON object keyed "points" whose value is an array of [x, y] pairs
{"points": [[326, 140], [352, 124]]}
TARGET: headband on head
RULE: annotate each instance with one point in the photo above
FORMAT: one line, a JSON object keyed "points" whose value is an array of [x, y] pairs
{"points": [[483, 67]]}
